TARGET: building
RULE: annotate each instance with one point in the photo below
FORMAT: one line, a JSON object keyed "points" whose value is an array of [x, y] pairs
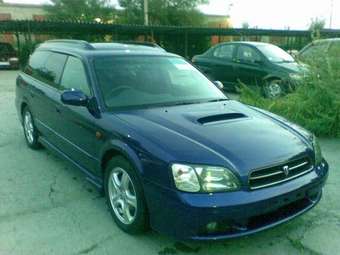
{"points": [[19, 12], [218, 21]]}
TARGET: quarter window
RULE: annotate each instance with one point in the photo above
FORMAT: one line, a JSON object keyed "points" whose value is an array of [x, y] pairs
{"points": [[74, 76], [224, 51]]}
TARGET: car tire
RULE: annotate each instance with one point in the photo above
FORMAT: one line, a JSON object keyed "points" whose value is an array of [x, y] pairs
{"points": [[273, 88], [30, 131], [125, 197]]}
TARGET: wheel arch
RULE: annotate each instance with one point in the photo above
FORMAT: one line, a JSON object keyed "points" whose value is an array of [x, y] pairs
{"points": [[118, 148], [23, 105], [271, 77]]}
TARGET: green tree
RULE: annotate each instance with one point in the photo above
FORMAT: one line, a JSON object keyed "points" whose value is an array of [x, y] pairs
{"points": [[163, 12], [245, 25], [81, 10], [316, 26]]}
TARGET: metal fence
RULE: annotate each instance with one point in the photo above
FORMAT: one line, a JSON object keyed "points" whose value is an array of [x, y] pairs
{"points": [[184, 39]]}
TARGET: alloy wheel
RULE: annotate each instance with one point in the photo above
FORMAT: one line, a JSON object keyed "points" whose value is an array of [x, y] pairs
{"points": [[122, 195], [28, 127], [274, 89]]}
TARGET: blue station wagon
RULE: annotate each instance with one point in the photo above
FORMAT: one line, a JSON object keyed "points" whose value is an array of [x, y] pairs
{"points": [[167, 147]]}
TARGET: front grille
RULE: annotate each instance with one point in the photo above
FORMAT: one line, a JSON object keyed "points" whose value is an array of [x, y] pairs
{"points": [[269, 176]]}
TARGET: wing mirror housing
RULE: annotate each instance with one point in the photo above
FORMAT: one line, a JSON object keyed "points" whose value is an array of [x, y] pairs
{"points": [[219, 85], [75, 98]]}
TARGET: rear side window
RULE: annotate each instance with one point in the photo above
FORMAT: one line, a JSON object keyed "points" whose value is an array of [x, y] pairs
{"points": [[53, 68], [224, 51], [74, 76], [46, 66], [36, 63]]}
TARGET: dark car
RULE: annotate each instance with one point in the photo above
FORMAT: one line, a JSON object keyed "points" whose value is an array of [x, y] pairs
{"points": [[169, 149], [252, 63], [8, 56]]}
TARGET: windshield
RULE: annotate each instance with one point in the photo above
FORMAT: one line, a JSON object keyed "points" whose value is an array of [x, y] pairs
{"points": [[275, 54], [140, 81]]}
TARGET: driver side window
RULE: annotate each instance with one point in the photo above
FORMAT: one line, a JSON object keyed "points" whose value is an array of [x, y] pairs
{"points": [[248, 54], [74, 76]]}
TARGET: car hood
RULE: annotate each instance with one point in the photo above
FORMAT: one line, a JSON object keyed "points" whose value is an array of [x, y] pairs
{"points": [[224, 133], [294, 67]]}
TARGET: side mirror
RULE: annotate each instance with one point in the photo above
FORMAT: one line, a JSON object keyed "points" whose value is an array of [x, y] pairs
{"points": [[74, 97], [219, 85]]}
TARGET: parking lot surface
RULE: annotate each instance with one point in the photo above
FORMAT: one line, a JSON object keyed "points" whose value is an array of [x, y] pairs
{"points": [[47, 207]]}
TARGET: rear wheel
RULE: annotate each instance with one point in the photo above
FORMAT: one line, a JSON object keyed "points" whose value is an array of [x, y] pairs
{"points": [[125, 197], [273, 88], [30, 131]]}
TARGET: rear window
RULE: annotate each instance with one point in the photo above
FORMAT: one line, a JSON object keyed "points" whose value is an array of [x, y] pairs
{"points": [[6, 48], [314, 50]]}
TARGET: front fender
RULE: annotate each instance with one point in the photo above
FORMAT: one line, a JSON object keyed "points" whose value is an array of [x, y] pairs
{"points": [[123, 149]]}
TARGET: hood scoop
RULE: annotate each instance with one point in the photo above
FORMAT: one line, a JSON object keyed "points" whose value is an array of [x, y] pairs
{"points": [[220, 118]]}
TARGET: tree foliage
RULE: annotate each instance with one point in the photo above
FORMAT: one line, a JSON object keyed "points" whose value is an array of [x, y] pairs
{"points": [[163, 12], [81, 10], [315, 104], [316, 26]]}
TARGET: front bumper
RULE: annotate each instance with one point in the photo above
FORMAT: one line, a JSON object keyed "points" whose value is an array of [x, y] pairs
{"points": [[9, 64], [235, 214]]}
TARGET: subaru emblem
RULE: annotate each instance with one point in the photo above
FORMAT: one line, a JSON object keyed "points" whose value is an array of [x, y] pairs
{"points": [[286, 170]]}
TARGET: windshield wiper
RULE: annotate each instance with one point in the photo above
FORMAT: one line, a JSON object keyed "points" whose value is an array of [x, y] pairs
{"points": [[218, 100], [285, 61]]}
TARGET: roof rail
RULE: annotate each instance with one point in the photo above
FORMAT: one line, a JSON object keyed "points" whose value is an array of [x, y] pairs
{"points": [[67, 42], [149, 44]]}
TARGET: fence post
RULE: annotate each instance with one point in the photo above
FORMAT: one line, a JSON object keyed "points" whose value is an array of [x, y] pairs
{"points": [[18, 41], [186, 44]]}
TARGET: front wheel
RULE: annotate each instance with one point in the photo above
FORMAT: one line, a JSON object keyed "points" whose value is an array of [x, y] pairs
{"points": [[125, 197], [30, 131], [273, 89]]}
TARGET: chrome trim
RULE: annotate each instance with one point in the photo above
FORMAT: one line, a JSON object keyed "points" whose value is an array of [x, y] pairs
{"points": [[283, 180], [278, 172], [264, 176], [297, 166]]}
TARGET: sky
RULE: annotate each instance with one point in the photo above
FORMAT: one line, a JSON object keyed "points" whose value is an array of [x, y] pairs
{"points": [[271, 14]]}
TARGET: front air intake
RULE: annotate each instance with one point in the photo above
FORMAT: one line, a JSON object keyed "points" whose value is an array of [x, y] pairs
{"points": [[220, 117]]}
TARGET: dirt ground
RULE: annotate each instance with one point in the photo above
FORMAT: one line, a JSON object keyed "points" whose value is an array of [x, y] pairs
{"points": [[47, 207]]}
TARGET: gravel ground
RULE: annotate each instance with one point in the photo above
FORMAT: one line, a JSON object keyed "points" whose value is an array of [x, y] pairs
{"points": [[47, 207]]}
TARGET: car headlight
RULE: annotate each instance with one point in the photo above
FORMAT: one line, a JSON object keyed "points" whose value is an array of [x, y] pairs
{"points": [[200, 178], [317, 151], [295, 76]]}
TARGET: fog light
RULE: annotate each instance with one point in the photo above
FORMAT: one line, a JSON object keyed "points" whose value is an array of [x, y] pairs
{"points": [[211, 227]]}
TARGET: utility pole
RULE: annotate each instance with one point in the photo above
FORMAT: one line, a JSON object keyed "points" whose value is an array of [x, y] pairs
{"points": [[146, 13], [331, 16]]}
